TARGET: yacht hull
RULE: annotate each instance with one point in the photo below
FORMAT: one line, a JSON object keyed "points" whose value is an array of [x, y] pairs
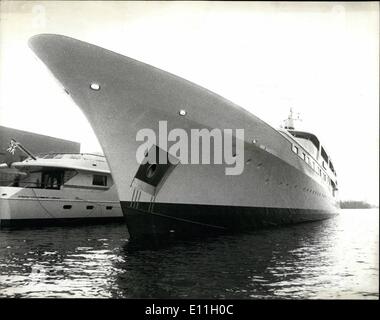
{"points": [[276, 187], [28, 206], [185, 220]]}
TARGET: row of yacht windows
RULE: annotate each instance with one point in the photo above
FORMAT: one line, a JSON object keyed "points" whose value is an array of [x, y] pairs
{"points": [[53, 179], [310, 162], [315, 166]]}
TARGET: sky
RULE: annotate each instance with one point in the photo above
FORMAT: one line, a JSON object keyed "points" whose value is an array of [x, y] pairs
{"points": [[321, 59]]}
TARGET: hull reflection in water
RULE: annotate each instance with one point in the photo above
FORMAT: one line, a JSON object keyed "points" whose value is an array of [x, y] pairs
{"points": [[335, 258]]}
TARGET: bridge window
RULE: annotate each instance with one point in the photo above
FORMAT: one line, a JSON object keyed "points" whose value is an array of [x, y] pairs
{"points": [[99, 180], [324, 155], [331, 167]]}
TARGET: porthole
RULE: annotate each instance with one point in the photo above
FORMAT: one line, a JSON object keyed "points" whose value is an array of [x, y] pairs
{"points": [[67, 206], [182, 112], [108, 207], [95, 86], [151, 170], [89, 207]]}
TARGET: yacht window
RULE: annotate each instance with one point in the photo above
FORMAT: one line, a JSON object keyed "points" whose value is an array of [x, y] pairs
{"points": [[304, 155], [295, 149], [331, 166], [324, 155], [99, 180], [68, 175], [49, 156], [52, 179]]}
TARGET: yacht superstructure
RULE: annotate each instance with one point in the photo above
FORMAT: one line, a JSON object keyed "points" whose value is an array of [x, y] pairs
{"points": [[57, 187]]}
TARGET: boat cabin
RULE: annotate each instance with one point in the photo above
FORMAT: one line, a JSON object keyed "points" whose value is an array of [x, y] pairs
{"points": [[55, 171]]}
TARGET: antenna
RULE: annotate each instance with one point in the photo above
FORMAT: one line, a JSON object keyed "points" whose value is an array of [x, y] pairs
{"points": [[289, 122]]}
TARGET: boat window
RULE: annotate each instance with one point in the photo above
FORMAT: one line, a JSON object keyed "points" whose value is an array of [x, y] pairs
{"points": [[52, 179], [304, 156], [99, 180], [295, 149], [49, 156], [75, 156], [331, 166], [25, 180], [324, 155], [68, 175]]}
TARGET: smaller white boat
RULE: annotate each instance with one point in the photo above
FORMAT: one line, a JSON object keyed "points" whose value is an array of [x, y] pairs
{"points": [[58, 187]]}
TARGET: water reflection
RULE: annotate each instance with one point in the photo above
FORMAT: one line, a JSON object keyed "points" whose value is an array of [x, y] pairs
{"points": [[336, 258], [59, 261], [253, 265]]}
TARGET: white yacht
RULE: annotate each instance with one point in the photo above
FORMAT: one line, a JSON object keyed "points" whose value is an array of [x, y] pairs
{"points": [[288, 176], [51, 188]]}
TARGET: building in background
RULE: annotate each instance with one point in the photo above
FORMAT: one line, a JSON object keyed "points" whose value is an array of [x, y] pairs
{"points": [[35, 143]]}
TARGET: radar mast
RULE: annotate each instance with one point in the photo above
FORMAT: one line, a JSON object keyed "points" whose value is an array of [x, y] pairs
{"points": [[289, 122]]}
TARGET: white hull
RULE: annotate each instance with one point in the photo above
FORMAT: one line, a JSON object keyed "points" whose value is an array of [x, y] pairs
{"points": [[33, 205], [134, 95]]}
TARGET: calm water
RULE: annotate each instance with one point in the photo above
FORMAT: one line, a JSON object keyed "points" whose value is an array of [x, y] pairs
{"points": [[336, 258]]}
